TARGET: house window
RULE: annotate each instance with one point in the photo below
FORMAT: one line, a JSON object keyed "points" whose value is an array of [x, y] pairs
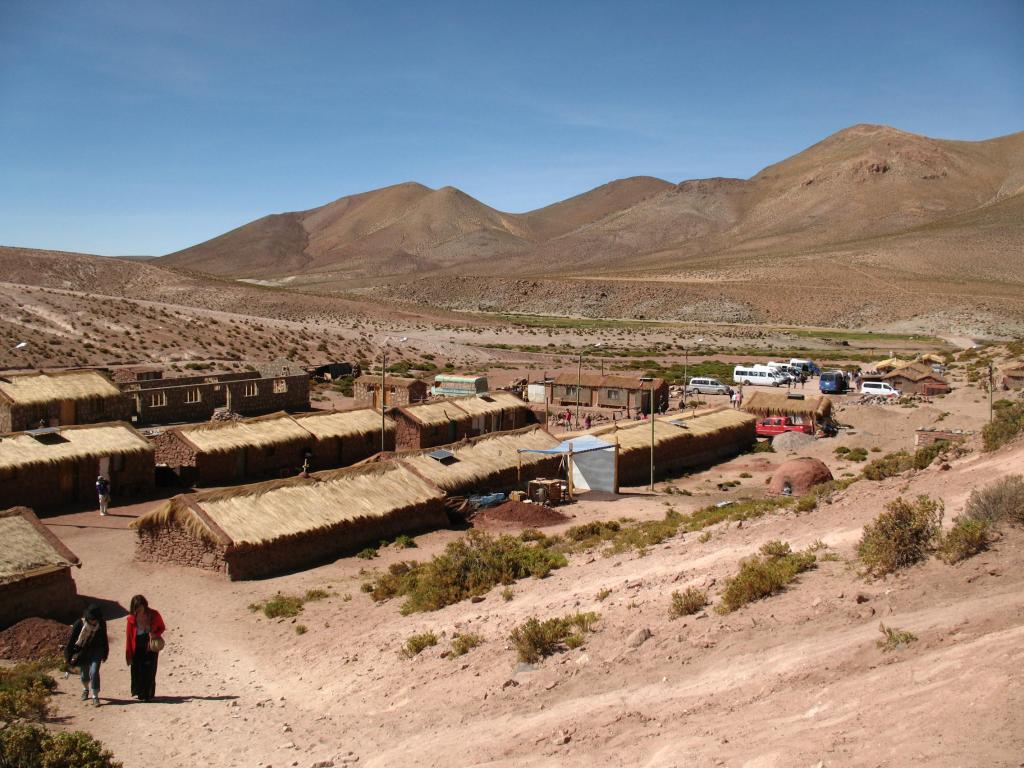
{"points": [[251, 390], [613, 394], [193, 396], [571, 391], [280, 386], [157, 399]]}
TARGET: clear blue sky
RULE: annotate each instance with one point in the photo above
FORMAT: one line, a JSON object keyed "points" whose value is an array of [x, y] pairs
{"points": [[145, 127]]}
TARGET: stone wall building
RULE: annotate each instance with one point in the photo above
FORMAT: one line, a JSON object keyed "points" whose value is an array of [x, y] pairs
{"points": [[398, 391], [35, 571], [447, 421], [57, 467], [34, 400]]}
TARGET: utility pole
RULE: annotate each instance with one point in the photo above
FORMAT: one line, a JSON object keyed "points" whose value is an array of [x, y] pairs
{"points": [[650, 408], [990, 388], [383, 397]]}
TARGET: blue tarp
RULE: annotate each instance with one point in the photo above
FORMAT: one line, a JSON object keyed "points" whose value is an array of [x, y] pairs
{"points": [[583, 444]]}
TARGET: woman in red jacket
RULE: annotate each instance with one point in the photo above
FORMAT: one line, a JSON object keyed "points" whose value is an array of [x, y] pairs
{"points": [[142, 645]]}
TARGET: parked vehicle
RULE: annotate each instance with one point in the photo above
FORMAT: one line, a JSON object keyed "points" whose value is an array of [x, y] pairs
{"points": [[776, 425], [707, 386], [784, 370], [881, 388], [808, 367], [833, 383], [757, 374]]}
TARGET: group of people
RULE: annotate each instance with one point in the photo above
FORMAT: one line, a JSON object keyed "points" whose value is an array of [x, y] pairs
{"points": [[87, 648], [736, 398]]}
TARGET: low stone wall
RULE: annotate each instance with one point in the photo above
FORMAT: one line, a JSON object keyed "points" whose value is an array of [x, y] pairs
{"points": [[924, 436], [174, 545], [50, 595]]}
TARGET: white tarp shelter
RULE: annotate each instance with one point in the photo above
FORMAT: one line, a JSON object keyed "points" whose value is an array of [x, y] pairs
{"points": [[593, 462]]}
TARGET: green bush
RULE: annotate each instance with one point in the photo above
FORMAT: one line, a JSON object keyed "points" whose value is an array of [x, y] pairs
{"points": [[470, 566], [1007, 422], [279, 606], [367, 554], [416, 644], [998, 502], [893, 638], [536, 639], [965, 539], [893, 464], [405, 542], [901, 536], [687, 603], [464, 643], [765, 575]]}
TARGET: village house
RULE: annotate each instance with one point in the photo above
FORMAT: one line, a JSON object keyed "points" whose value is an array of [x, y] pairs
{"points": [[918, 379], [33, 400], [35, 571], [259, 530], [447, 421], [184, 399], [629, 393], [47, 469], [398, 391], [276, 445], [134, 373], [1013, 377], [815, 410]]}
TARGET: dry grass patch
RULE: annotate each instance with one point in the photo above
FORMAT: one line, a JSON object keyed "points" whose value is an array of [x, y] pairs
{"points": [[464, 643], [998, 502], [765, 575], [893, 639], [687, 603], [967, 538], [416, 644], [901, 536], [535, 639]]}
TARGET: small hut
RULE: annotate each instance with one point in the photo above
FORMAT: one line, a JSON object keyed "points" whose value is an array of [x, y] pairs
{"points": [[269, 528], [798, 476], [34, 400], [344, 438], [488, 463], [47, 469], [815, 409], [917, 379], [447, 421], [35, 570], [398, 390], [1013, 377]]}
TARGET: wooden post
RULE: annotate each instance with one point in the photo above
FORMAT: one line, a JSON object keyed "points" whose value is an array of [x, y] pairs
{"points": [[569, 473]]}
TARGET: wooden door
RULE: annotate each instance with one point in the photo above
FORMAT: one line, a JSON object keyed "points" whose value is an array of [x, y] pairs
{"points": [[67, 411]]}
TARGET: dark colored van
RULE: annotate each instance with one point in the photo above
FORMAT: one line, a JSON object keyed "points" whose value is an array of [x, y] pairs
{"points": [[833, 383]]}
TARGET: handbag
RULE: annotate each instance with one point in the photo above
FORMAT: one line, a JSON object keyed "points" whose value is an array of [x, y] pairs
{"points": [[156, 644]]}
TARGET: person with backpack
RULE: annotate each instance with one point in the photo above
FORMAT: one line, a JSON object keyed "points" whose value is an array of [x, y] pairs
{"points": [[103, 491], [87, 647]]}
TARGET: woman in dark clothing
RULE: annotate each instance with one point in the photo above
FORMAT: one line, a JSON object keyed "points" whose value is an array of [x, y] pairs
{"points": [[87, 647], [144, 638]]}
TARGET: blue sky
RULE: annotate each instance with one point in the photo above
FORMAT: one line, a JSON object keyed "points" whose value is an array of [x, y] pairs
{"points": [[143, 127]]}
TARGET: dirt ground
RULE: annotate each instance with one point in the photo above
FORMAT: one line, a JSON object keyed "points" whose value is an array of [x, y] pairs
{"points": [[796, 679]]}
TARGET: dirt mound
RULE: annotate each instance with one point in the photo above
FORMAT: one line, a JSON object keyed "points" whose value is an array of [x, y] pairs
{"points": [[791, 442], [33, 639], [519, 514], [800, 475]]}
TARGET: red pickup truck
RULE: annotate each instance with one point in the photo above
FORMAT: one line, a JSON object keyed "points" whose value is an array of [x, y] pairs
{"points": [[776, 425]]}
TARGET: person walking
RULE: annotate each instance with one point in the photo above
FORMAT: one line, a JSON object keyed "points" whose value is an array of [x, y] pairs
{"points": [[87, 647], [103, 491], [142, 646]]}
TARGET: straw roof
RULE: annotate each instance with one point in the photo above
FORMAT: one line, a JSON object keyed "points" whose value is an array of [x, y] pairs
{"points": [[612, 381], [389, 381], [913, 373], [357, 423], [264, 512], [29, 546], [439, 412], [779, 403], [33, 388], [22, 449], [479, 459], [638, 435], [889, 364], [259, 432]]}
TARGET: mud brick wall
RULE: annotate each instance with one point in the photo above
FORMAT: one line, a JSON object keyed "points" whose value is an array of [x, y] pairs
{"points": [[49, 595], [335, 452], [174, 545], [94, 410], [173, 451], [410, 434], [927, 437], [303, 551]]}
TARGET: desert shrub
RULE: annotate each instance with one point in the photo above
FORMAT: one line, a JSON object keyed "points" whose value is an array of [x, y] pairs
{"points": [[507, 594], [535, 639], [893, 464], [464, 643], [857, 454], [965, 539], [312, 595], [893, 638], [823, 492], [416, 644], [603, 594], [301, 629], [1007, 422], [25, 692], [900, 536], [998, 502], [762, 446], [279, 606], [405, 542], [470, 566], [687, 603], [764, 575], [367, 554], [743, 509]]}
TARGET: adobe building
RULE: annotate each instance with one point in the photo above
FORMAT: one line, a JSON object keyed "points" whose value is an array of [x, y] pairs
{"points": [[917, 379], [447, 421], [612, 391], [1013, 377], [398, 391], [48, 469], [34, 400], [35, 571]]}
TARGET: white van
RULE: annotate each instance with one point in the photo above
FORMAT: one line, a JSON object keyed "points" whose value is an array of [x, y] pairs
{"points": [[879, 388], [757, 374], [783, 369]]}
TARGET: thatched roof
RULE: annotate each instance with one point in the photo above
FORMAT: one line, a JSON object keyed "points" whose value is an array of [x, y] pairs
{"points": [[259, 432], [610, 381], [29, 546], [912, 373], [264, 512], [440, 412], [389, 381], [780, 404], [481, 458], [24, 449], [637, 435], [33, 388], [889, 364], [360, 422]]}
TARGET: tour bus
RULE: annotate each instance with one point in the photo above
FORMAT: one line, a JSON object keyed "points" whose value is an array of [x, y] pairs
{"points": [[758, 374]]}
